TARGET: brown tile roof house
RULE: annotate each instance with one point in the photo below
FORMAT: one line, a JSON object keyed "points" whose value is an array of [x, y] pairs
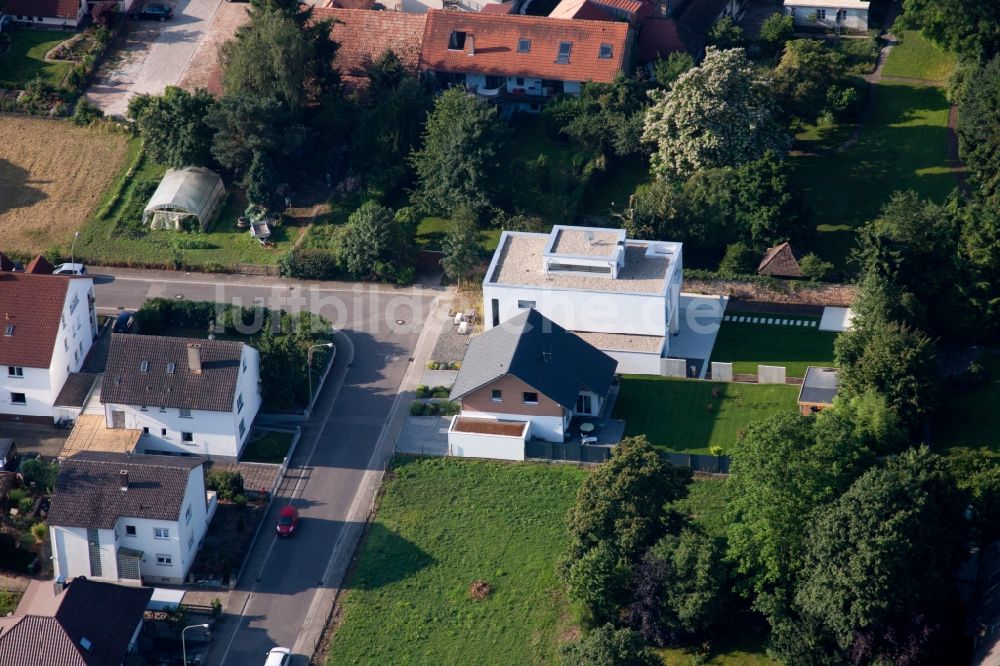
{"points": [[65, 9], [364, 35], [92, 626], [491, 46], [580, 10], [5, 263], [781, 261], [39, 266], [88, 491], [498, 8], [183, 373], [31, 306]]}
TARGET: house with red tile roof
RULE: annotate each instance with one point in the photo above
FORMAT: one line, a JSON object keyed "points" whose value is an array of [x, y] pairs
{"points": [[56, 13], [47, 326], [523, 60], [580, 10], [364, 35]]}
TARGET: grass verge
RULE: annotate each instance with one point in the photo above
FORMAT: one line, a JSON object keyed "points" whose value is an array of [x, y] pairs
{"points": [[684, 415], [443, 524], [795, 347]]}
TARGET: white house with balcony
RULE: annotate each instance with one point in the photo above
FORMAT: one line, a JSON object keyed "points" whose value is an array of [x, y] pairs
{"points": [[619, 295], [187, 396], [129, 518], [849, 15], [47, 326]]}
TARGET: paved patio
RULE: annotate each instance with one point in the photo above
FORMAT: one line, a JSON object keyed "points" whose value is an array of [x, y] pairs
{"points": [[424, 435], [700, 319]]}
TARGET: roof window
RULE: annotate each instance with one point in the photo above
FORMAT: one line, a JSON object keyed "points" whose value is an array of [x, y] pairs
{"points": [[523, 45], [456, 42], [9, 330], [171, 367], [564, 50], [143, 366], [605, 52]]}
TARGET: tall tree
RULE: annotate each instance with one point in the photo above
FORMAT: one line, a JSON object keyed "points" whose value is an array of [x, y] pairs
{"points": [[260, 180], [980, 258], [607, 646], [605, 116], [880, 560], [460, 157], [978, 118], [461, 244], [968, 27], [718, 114], [376, 244], [173, 126], [269, 57], [244, 125], [807, 69]]}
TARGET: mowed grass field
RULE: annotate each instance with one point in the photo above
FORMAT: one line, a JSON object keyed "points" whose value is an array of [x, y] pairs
{"points": [[52, 174], [443, 524], [916, 57], [25, 59], [683, 415], [747, 345]]}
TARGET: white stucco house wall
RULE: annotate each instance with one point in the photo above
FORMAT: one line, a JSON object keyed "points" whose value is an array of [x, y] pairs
{"points": [[47, 13], [187, 396], [620, 295], [850, 15], [129, 518], [47, 327]]}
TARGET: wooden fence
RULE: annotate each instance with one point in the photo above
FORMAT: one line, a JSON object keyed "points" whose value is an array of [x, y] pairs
{"points": [[257, 269]]}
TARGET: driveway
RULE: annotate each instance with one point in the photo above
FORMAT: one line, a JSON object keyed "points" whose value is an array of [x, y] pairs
{"points": [[42, 438], [155, 56], [287, 589]]}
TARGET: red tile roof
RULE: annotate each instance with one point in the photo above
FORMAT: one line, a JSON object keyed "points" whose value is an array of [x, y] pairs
{"points": [[495, 39], [581, 10], [40, 266], [636, 7], [346, 4], [33, 304], [661, 37], [364, 35], [67, 9], [498, 8]]}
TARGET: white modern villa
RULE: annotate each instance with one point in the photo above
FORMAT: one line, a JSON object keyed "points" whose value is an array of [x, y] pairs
{"points": [[619, 295], [849, 15]]}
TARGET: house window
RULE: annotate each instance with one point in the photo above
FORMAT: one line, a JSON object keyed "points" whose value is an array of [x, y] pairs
{"points": [[524, 305], [18, 399], [130, 530], [244, 365], [605, 52], [496, 395], [456, 42], [164, 560], [243, 427], [163, 410], [163, 432], [143, 366], [530, 398], [171, 368], [161, 532], [519, 81], [187, 515], [76, 302], [239, 403], [145, 430], [841, 15], [15, 371], [143, 408], [62, 320], [821, 14], [187, 437], [190, 542], [523, 45], [185, 413], [564, 50], [9, 330]]}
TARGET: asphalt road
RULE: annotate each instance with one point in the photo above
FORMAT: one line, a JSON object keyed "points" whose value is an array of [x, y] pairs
{"points": [[286, 582]]}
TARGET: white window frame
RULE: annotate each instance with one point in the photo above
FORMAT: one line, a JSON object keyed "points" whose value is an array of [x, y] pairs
{"points": [[15, 372], [20, 403], [162, 533], [164, 560]]}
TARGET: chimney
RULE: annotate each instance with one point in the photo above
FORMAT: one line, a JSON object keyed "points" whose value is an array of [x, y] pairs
{"points": [[471, 41], [123, 479], [194, 358]]}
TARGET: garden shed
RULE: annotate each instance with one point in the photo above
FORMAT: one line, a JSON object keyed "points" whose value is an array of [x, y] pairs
{"points": [[185, 197]]}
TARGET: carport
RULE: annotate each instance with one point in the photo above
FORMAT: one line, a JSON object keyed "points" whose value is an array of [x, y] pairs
{"points": [[185, 198]]}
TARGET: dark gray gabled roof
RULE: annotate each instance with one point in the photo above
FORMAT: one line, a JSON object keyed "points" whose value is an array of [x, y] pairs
{"points": [[126, 383], [88, 491], [539, 352]]}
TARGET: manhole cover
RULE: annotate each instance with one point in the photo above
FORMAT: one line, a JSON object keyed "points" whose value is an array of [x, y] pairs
{"points": [[400, 322], [178, 295]]}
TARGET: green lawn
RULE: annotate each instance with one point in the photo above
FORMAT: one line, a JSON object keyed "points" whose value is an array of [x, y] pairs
{"points": [[971, 420], [432, 230], [916, 57], [114, 234], [443, 524], [747, 345], [903, 145], [612, 191], [25, 59], [683, 415], [267, 446]]}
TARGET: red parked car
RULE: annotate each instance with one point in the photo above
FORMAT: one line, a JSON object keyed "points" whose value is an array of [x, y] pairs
{"points": [[288, 521]]}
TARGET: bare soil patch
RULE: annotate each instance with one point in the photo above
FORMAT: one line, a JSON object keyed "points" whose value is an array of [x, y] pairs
{"points": [[52, 174]]}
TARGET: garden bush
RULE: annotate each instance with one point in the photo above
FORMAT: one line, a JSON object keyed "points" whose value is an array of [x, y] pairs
{"points": [[229, 485], [308, 264], [42, 474]]}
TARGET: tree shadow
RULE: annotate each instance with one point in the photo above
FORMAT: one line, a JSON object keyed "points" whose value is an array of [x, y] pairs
{"points": [[387, 558], [16, 189]]}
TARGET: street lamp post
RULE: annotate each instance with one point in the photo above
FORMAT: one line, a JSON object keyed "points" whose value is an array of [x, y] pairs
{"points": [[72, 248], [309, 362], [184, 653]]}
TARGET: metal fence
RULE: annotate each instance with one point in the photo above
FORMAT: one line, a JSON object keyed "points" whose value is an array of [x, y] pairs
{"points": [[569, 451], [700, 462]]}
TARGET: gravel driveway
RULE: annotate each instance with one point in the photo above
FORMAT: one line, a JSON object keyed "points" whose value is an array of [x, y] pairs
{"points": [[155, 56]]}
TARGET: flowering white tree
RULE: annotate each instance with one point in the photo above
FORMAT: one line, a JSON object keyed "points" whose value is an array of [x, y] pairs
{"points": [[716, 115]]}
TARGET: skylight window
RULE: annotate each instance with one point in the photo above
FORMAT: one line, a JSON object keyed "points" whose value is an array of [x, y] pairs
{"points": [[523, 45], [605, 53], [143, 366], [456, 42], [9, 330], [171, 367], [564, 50]]}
